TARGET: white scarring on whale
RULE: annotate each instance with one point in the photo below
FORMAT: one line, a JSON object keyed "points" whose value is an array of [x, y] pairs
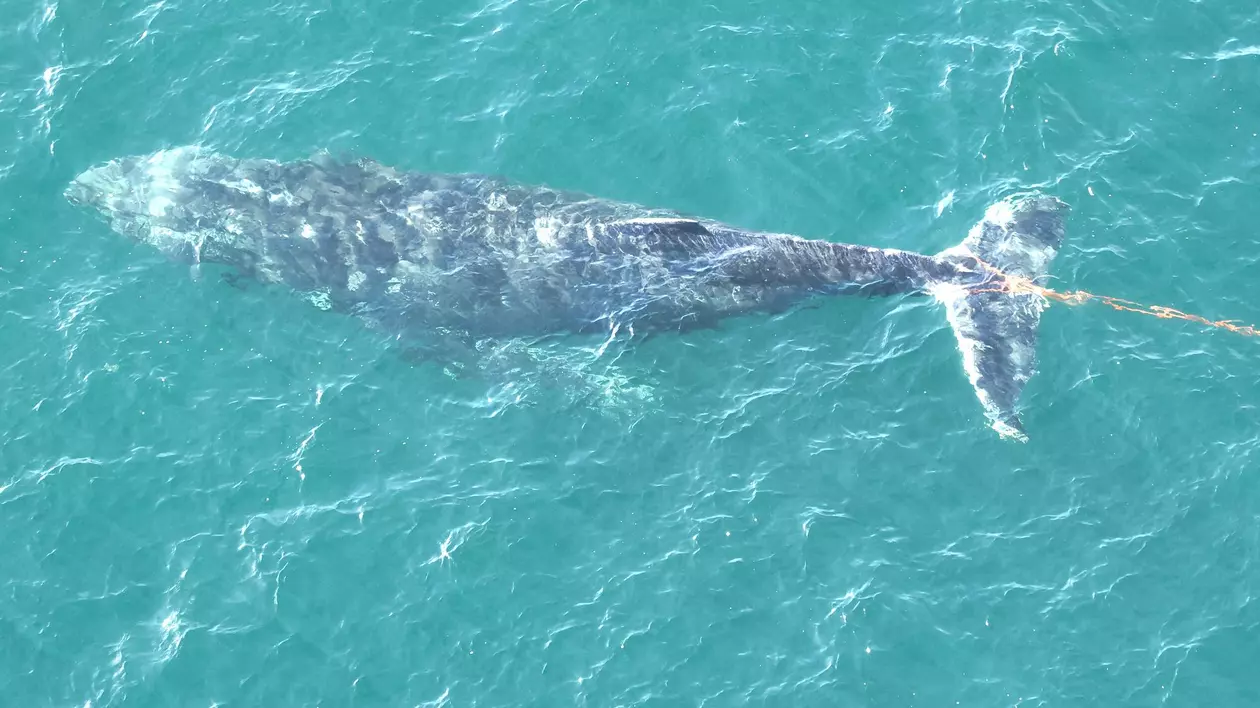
{"points": [[481, 256]]}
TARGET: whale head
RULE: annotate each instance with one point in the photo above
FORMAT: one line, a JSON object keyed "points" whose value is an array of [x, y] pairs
{"points": [[153, 199]]}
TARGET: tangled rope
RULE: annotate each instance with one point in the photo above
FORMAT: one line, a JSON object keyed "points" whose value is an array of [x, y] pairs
{"points": [[1018, 285]]}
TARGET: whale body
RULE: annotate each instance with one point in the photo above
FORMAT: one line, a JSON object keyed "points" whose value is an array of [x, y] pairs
{"points": [[486, 257]]}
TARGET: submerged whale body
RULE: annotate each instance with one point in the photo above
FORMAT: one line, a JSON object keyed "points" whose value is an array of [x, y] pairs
{"points": [[485, 257]]}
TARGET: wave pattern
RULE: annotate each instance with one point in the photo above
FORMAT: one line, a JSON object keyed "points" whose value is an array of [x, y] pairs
{"points": [[215, 496]]}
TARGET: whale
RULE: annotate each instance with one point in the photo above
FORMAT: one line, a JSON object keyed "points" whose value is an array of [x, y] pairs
{"points": [[478, 256]]}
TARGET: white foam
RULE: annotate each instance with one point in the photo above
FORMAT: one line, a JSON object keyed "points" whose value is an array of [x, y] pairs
{"points": [[283, 197], [545, 230], [320, 299], [498, 202], [1007, 431], [159, 205], [1225, 54], [1001, 213], [244, 185]]}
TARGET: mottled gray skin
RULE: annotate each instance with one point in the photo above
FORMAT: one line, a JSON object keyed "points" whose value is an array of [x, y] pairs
{"points": [[474, 253], [483, 257], [997, 330]]}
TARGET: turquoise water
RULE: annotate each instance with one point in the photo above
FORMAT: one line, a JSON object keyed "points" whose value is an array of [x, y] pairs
{"points": [[221, 497]]}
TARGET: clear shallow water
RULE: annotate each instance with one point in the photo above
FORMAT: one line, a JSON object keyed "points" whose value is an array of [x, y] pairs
{"points": [[211, 496]]}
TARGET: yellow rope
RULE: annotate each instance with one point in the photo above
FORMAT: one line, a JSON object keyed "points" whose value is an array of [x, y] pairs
{"points": [[1017, 285]]}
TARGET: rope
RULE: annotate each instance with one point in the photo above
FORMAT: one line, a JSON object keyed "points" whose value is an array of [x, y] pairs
{"points": [[1018, 285]]}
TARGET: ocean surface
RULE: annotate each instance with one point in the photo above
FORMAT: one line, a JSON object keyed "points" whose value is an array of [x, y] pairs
{"points": [[214, 496]]}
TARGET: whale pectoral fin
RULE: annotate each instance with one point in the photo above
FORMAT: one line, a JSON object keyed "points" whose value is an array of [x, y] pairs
{"points": [[237, 279]]}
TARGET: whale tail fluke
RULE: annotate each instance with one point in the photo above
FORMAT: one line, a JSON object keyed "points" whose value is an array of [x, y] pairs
{"points": [[996, 328]]}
